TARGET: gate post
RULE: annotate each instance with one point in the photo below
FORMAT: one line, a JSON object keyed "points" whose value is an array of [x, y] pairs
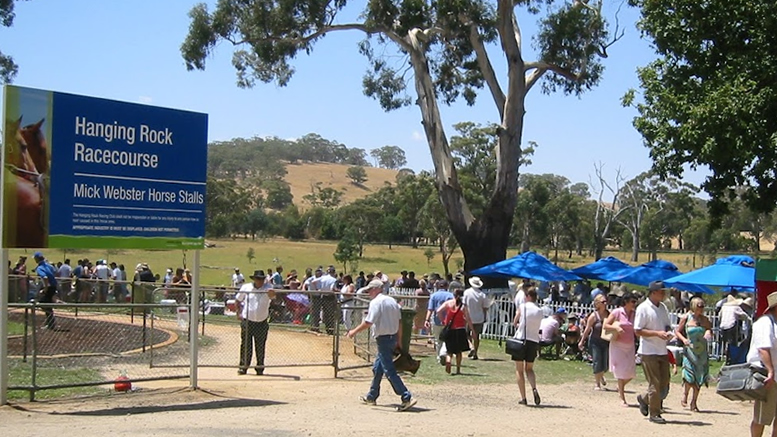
{"points": [[194, 314]]}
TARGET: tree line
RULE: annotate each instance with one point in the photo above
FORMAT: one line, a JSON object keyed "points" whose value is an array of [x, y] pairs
{"points": [[644, 214]]}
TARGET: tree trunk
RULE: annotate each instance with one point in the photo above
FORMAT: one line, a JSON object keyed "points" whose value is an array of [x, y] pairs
{"points": [[486, 247], [635, 246], [598, 247]]}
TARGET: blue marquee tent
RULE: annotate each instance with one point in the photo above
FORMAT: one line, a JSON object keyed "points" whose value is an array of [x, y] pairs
{"points": [[658, 270], [735, 271], [598, 269], [529, 265]]}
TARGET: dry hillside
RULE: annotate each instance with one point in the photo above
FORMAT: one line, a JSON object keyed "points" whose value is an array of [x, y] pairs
{"points": [[302, 177]]}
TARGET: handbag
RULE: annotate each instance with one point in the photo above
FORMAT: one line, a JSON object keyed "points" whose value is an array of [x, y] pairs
{"points": [[611, 334], [447, 328], [742, 382], [514, 346]]}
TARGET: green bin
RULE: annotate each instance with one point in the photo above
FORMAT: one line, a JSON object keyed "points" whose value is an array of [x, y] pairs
{"points": [[408, 316]]}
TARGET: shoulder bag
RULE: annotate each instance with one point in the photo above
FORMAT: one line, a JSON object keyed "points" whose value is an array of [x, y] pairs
{"points": [[514, 346], [447, 328], [743, 382]]}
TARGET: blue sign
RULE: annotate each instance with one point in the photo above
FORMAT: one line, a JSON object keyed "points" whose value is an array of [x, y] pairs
{"points": [[122, 174]]}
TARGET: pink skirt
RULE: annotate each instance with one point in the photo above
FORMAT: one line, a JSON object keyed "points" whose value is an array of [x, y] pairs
{"points": [[623, 363]]}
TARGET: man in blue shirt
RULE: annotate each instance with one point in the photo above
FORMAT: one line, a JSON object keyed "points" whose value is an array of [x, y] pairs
{"points": [[48, 274], [438, 298]]}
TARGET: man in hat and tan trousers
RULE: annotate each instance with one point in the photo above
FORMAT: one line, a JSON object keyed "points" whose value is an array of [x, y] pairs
{"points": [[477, 304], [253, 310], [763, 352]]}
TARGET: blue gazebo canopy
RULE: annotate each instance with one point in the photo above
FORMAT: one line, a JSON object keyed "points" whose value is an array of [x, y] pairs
{"points": [[597, 269], [657, 270], [529, 265], [735, 271]]}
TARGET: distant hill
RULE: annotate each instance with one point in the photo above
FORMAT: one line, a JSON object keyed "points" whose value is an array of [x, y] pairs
{"points": [[301, 177]]}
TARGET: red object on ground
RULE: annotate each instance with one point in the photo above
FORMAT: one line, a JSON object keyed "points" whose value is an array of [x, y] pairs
{"points": [[122, 383]]}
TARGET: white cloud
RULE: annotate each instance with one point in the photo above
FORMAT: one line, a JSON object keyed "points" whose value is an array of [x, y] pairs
{"points": [[418, 136], [145, 99]]}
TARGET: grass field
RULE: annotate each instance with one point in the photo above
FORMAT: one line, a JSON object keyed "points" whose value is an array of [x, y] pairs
{"points": [[218, 262], [20, 374]]}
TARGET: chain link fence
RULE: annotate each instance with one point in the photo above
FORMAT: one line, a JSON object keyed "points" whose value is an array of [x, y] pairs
{"points": [[77, 345]]}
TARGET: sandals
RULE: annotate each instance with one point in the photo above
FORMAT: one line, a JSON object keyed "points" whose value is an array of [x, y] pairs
{"points": [[684, 402], [694, 408]]}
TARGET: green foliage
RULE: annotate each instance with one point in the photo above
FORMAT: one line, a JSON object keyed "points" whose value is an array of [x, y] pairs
{"points": [[278, 194], [348, 250], [391, 157], [357, 174], [327, 197], [429, 254], [709, 100], [8, 68]]}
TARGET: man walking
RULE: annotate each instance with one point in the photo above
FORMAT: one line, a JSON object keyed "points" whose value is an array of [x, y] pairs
{"points": [[253, 310], [763, 353], [383, 317], [651, 324], [477, 305], [47, 273]]}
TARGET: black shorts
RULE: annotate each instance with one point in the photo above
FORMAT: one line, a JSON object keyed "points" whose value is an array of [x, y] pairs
{"points": [[529, 352]]}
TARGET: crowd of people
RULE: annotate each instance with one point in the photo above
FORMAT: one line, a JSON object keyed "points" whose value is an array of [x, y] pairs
{"points": [[638, 331]]}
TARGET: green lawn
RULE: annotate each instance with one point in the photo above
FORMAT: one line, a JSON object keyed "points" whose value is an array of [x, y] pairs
{"points": [[495, 367], [21, 374], [15, 328]]}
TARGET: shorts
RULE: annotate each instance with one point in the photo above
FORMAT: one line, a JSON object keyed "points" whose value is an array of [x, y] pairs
{"points": [[477, 328], [764, 411], [529, 352]]}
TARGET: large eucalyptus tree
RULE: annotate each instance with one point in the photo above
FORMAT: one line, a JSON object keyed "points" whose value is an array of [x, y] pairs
{"points": [[448, 47]]}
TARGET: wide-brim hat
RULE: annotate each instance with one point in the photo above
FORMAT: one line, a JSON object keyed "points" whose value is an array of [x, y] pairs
{"points": [[771, 300], [475, 282], [374, 284], [748, 302], [258, 274]]}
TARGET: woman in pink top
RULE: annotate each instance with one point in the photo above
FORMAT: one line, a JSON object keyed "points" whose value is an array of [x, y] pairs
{"points": [[457, 317], [622, 353]]}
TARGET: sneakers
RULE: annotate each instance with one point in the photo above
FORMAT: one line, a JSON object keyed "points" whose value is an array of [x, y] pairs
{"points": [[536, 396], [657, 419], [405, 405], [643, 406], [241, 371], [367, 401]]}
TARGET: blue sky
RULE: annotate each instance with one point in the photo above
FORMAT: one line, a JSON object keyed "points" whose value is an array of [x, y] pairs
{"points": [[129, 50]]}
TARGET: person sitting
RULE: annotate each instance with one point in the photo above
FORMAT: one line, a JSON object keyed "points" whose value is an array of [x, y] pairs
{"points": [[550, 330], [571, 333]]}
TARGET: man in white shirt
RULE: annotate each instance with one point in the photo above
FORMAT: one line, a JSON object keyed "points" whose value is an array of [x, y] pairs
{"points": [[253, 310], [550, 330], [64, 281], [477, 304], [327, 302], [651, 324], [102, 273], [383, 317], [238, 279], [731, 314], [763, 352]]}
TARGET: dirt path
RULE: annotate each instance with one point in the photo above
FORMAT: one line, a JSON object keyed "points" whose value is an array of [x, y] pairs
{"points": [[308, 402]]}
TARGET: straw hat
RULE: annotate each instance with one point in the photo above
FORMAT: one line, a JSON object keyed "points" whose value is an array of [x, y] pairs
{"points": [[475, 282], [771, 301]]}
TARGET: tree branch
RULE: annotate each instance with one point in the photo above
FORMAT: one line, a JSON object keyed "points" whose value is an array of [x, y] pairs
{"points": [[487, 69], [307, 39]]}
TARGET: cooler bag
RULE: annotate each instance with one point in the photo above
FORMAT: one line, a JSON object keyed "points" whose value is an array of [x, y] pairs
{"points": [[742, 382]]}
